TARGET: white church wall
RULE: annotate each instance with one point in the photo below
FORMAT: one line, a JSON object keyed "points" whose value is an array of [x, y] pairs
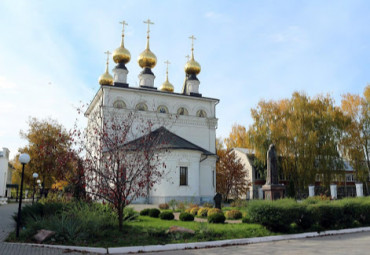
{"points": [[4, 160], [208, 176]]}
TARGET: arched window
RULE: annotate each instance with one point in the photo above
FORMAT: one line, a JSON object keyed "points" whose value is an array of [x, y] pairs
{"points": [[141, 107], [162, 109], [182, 111], [119, 104], [201, 114]]}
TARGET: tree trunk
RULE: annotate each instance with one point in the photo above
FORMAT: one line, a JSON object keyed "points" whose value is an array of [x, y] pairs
{"points": [[120, 217]]}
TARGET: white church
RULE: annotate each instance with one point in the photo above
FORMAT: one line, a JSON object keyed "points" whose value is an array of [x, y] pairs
{"points": [[191, 164]]}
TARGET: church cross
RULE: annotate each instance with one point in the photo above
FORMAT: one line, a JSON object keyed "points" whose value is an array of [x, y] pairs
{"points": [[108, 53], [188, 57], [192, 41], [123, 26], [167, 63], [149, 22]]}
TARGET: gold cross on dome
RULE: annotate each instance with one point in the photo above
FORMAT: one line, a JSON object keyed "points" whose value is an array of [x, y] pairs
{"points": [[108, 53], [188, 57], [149, 22], [123, 25], [167, 63], [192, 40]]}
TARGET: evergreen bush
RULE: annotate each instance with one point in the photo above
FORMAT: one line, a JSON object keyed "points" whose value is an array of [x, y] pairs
{"points": [[166, 215], [216, 218], [145, 212], [186, 216], [154, 213]]}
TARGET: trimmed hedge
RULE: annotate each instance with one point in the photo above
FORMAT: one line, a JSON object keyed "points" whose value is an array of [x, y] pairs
{"points": [[233, 215], [317, 214], [166, 215], [194, 210], [154, 212], [186, 216], [202, 212], [216, 218]]}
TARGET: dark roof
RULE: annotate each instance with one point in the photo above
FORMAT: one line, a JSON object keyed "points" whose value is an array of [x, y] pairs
{"points": [[165, 139]]}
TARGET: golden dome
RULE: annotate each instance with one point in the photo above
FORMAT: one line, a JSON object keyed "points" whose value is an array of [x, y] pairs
{"points": [[192, 67], [121, 54], [106, 78], [147, 59], [167, 86]]}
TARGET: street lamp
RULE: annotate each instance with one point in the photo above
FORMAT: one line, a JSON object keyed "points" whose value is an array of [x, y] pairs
{"points": [[24, 158], [35, 175], [39, 184]]}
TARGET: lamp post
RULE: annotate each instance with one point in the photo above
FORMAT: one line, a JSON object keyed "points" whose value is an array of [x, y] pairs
{"points": [[24, 158], [35, 175], [39, 185]]}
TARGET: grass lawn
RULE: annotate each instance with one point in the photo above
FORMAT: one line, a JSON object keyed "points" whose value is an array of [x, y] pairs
{"points": [[152, 231]]}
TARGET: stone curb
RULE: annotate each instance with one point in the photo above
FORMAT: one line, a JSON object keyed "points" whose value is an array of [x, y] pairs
{"points": [[182, 246], [198, 245]]}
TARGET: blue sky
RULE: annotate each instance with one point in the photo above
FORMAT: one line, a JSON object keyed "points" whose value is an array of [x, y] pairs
{"points": [[51, 52]]}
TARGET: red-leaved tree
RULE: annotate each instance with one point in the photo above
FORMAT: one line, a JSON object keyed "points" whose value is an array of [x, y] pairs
{"points": [[123, 155]]}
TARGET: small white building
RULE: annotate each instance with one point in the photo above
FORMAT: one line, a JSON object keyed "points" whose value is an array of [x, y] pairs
{"points": [[254, 179], [186, 116], [5, 173]]}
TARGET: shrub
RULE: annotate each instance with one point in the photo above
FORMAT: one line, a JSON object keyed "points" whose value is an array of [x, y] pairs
{"points": [[163, 206], [172, 203], [145, 212], [194, 210], [216, 218], [202, 212], [181, 206], [154, 213], [186, 216], [188, 210], [326, 215], [166, 215], [305, 217], [192, 205], [246, 219], [213, 211], [207, 205], [129, 214], [239, 203], [233, 215], [274, 215]]}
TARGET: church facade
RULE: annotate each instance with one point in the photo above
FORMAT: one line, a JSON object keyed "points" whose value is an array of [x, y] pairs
{"points": [[187, 117]]}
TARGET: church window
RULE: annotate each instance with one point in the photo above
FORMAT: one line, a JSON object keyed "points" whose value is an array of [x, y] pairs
{"points": [[183, 176], [119, 104], [162, 109], [201, 113], [182, 111], [141, 107]]}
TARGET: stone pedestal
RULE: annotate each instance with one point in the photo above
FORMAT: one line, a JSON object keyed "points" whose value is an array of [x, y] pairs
{"points": [[260, 193], [359, 189], [273, 192]]}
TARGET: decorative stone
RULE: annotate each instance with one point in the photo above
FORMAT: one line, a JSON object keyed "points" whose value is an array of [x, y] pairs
{"points": [[42, 235], [177, 229]]}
